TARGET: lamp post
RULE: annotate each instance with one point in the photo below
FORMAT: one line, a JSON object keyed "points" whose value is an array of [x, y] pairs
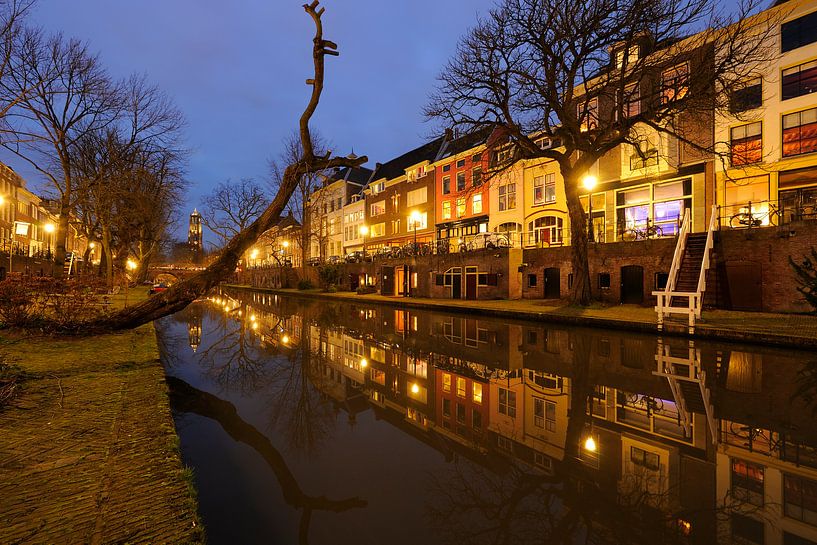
{"points": [[415, 218], [285, 245], [589, 183], [364, 230], [49, 229]]}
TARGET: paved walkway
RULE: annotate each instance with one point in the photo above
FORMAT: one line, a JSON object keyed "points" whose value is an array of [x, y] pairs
{"points": [[88, 451], [796, 330]]}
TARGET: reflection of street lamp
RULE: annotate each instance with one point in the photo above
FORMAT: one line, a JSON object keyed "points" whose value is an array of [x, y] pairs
{"points": [[364, 230], [589, 183]]}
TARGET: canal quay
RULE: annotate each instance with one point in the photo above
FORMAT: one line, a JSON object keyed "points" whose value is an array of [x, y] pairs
{"points": [[331, 421]]}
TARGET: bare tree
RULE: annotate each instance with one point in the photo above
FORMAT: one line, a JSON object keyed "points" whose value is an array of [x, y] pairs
{"points": [[183, 293], [64, 93], [232, 207], [589, 74]]}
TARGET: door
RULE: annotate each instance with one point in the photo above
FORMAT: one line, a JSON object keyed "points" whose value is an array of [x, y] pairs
{"points": [[552, 283], [470, 286], [743, 279], [354, 282], [632, 285], [456, 286], [387, 281], [400, 280]]}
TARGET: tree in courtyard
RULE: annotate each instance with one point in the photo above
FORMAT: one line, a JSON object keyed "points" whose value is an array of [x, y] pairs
{"points": [[596, 75], [183, 293], [232, 206], [806, 273]]}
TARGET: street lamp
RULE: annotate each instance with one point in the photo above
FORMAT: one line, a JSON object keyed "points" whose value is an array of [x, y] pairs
{"points": [[49, 229], [589, 182], [364, 230], [415, 219]]}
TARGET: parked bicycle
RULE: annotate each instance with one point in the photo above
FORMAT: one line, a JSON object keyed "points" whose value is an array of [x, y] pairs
{"points": [[642, 233], [497, 240], [746, 217], [443, 246]]}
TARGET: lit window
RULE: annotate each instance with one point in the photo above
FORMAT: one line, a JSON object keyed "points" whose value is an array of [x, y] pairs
{"points": [[460, 387], [746, 144], [588, 114], [507, 402], [476, 205], [674, 83], [460, 207], [477, 392], [747, 482], [446, 382], [507, 197], [447, 210], [800, 132]]}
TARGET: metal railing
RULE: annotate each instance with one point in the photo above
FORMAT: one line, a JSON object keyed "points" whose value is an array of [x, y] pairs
{"points": [[767, 213]]}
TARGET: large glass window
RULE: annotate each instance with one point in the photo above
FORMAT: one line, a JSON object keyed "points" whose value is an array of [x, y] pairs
{"points": [[460, 181], [460, 207], [421, 223], [798, 194], [747, 97], [477, 394], [747, 482], [738, 194], [798, 32], [377, 208], [460, 387], [447, 210], [746, 144], [661, 205], [674, 83], [446, 185], [800, 499], [800, 132]]}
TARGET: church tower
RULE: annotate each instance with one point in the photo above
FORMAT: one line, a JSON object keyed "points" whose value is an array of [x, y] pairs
{"points": [[194, 236]]}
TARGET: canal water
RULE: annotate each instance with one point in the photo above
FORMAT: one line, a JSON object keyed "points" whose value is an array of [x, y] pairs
{"points": [[321, 422]]}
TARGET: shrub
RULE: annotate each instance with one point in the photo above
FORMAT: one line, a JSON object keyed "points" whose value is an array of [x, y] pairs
{"points": [[332, 289], [807, 278], [363, 290], [329, 274], [304, 284], [45, 301]]}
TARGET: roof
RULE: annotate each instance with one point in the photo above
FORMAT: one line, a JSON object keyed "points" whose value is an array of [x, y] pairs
{"points": [[465, 142], [397, 166], [355, 175]]}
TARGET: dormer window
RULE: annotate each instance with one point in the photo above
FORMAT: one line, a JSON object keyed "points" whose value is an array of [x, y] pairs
{"points": [[626, 56], [378, 188]]}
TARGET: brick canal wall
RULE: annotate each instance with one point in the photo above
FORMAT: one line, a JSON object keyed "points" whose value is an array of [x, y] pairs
{"points": [[750, 271]]}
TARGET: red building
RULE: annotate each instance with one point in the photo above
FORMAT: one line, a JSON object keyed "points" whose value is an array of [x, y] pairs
{"points": [[462, 403]]}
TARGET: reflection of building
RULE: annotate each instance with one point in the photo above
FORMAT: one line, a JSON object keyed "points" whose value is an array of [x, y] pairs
{"points": [[194, 329]]}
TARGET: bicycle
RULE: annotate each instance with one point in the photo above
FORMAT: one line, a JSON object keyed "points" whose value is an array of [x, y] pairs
{"points": [[443, 247], [746, 218], [636, 233], [502, 241]]}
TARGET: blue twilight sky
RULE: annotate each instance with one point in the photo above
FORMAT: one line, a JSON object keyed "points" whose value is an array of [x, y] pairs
{"points": [[237, 69]]}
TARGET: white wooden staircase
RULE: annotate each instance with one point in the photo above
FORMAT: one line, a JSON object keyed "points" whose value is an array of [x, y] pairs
{"points": [[686, 284]]}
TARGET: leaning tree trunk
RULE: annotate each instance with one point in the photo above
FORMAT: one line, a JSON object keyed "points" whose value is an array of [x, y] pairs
{"points": [[183, 293], [580, 293], [62, 234]]}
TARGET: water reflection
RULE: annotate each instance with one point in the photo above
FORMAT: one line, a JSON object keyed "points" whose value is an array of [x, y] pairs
{"points": [[467, 430]]}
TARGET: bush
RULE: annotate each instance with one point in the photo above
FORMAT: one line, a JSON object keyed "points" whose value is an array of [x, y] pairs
{"points": [[45, 301], [364, 290], [332, 289], [304, 284], [329, 274], [806, 273]]}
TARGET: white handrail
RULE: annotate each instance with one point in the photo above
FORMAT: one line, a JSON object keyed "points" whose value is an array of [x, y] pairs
{"points": [[710, 243], [679, 252]]}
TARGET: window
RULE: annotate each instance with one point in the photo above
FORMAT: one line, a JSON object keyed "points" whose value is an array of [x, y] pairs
{"points": [[416, 197], [661, 204], [674, 83], [446, 408], [546, 230], [645, 159], [422, 222], [544, 414], [800, 80], [604, 281], [476, 419], [532, 280], [460, 181], [507, 402], [395, 227], [477, 387], [661, 280], [447, 210], [747, 482], [746, 530], [377, 208], [588, 114], [446, 185], [378, 188], [792, 539], [461, 163], [447, 168], [632, 101], [476, 204], [746, 144], [748, 97], [626, 56], [476, 176], [460, 207], [800, 132], [446, 382], [378, 230], [798, 32], [800, 499], [460, 413], [644, 458], [507, 197], [544, 189], [460, 387]]}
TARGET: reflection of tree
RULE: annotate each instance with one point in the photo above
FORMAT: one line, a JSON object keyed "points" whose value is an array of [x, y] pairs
{"points": [[186, 398], [807, 384]]}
